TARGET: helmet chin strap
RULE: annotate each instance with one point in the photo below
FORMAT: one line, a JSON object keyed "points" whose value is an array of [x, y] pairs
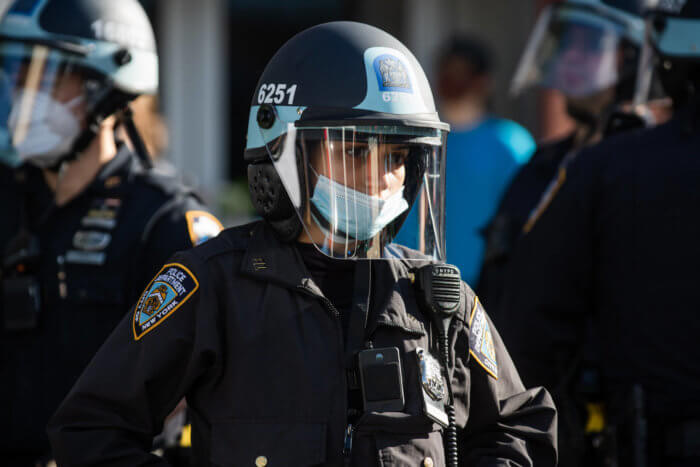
{"points": [[111, 103], [125, 118]]}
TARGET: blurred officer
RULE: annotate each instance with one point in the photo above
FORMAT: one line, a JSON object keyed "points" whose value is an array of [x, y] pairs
{"points": [[85, 222], [485, 151], [618, 247], [588, 50], [301, 339]]}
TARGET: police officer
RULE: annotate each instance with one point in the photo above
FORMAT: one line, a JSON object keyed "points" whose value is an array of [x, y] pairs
{"points": [[307, 338], [618, 245], [589, 51], [85, 222]]}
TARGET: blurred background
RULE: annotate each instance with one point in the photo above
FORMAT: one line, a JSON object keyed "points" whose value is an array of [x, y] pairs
{"points": [[213, 51]]}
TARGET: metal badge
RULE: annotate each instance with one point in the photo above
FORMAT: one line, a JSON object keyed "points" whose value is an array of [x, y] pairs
{"points": [[433, 387], [431, 375]]}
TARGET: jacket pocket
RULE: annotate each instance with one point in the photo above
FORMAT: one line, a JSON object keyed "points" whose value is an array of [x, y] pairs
{"points": [[404, 449], [260, 442]]}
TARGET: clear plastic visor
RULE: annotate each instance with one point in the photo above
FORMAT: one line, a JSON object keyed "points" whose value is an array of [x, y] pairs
{"points": [[354, 186], [575, 52], [38, 86]]}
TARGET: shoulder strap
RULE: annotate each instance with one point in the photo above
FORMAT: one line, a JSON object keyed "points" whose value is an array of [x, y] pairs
{"points": [[179, 198]]}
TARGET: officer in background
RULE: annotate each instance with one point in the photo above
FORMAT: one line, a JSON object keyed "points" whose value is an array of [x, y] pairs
{"points": [[85, 222], [309, 338], [589, 51], [618, 247], [485, 151]]}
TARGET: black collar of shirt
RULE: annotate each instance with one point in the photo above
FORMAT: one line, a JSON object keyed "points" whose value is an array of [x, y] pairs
{"points": [[268, 259]]}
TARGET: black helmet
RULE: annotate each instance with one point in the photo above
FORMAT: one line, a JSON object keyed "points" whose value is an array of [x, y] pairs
{"points": [[343, 136], [674, 33], [43, 44]]}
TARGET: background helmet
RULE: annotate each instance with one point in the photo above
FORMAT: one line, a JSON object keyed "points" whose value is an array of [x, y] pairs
{"points": [[110, 44], [674, 34], [343, 137], [582, 47]]}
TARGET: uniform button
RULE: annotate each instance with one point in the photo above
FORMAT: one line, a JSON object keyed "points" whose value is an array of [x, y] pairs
{"points": [[428, 462], [261, 461]]}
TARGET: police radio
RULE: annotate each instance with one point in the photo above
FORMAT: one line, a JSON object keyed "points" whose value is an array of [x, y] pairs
{"points": [[440, 291]]}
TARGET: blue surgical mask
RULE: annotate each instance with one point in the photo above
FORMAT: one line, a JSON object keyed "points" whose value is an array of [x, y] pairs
{"points": [[358, 214]]}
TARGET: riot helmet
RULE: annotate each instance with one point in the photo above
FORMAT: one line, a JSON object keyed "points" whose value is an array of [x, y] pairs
{"points": [[65, 65], [343, 139], [584, 47], [674, 33]]}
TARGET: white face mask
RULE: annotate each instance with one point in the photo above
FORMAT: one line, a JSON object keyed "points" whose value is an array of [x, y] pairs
{"points": [[358, 214], [51, 128]]}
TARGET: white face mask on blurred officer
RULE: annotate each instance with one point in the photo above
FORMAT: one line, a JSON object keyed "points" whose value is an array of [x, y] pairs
{"points": [[46, 133], [43, 103]]}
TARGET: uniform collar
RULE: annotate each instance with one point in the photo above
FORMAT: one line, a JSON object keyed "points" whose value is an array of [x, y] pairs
{"points": [[396, 303], [268, 259], [115, 172]]}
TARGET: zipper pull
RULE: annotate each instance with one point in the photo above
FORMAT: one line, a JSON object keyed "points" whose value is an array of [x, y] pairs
{"points": [[347, 444]]}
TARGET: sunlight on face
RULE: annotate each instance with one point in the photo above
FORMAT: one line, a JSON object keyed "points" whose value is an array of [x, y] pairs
{"points": [[371, 167]]}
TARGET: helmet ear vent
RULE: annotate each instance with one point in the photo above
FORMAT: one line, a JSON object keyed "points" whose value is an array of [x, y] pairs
{"points": [[659, 24], [269, 198], [122, 57], [266, 116]]}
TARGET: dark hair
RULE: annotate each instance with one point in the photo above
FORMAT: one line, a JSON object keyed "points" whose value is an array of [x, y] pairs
{"points": [[471, 49]]}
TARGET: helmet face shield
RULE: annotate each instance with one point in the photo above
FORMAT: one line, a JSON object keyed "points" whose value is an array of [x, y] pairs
{"points": [[575, 51], [353, 186], [42, 102]]}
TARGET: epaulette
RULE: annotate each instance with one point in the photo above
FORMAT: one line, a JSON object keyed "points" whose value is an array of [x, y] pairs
{"points": [[175, 194], [231, 239], [166, 184]]}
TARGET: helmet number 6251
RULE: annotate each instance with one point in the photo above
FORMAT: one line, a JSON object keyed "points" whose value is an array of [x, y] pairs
{"points": [[275, 93]]}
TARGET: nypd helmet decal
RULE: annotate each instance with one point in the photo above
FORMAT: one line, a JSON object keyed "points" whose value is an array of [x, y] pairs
{"points": [[392, 83], [392, 74], [171, 287]]}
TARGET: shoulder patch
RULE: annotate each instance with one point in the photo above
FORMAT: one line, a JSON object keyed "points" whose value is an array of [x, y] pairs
{"points": [[481, 341], [202, 226], [171, 287]]}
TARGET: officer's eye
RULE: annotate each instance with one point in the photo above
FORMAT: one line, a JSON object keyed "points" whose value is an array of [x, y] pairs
{"points": [[355, 151], [396, 158]]}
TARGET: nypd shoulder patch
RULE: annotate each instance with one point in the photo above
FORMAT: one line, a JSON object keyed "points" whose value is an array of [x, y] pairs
{"points": [[202, 226], [481, 340], [171, 287]]}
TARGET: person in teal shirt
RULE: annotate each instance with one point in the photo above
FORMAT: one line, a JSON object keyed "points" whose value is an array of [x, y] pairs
{"points": [[483, 153]]}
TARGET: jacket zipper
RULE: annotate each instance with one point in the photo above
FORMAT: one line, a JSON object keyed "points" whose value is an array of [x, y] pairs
{"points": [[329, 307]]}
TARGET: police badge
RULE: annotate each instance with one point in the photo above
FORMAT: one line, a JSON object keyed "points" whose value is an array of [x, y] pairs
{"points": [[433, 386]]}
